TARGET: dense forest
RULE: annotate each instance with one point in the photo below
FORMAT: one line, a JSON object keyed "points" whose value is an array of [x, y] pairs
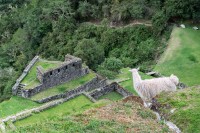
{"points": [[97, 31]]}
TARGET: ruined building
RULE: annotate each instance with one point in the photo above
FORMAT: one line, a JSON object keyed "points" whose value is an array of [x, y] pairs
{"points": [[70, 69]]}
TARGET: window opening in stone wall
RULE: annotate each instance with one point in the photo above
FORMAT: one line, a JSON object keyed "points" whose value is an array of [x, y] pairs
{"points": [[66, 67], [51, 73], [74, 64], [58, 70]]}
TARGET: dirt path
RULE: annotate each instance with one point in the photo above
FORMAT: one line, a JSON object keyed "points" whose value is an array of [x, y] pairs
{"points": [[121, 25]]}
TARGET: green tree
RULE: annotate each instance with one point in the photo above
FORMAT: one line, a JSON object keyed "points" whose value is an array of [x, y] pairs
{"points": [[90, 51], [112, 64]]}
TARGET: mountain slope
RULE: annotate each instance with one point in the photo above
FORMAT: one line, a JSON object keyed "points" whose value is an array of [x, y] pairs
{"points": [[182, 56]]}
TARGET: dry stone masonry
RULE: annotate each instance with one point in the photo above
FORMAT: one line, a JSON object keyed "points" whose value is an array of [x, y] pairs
{"points": [[92, 84], [17, 87], [109, 88], [69, 70]]}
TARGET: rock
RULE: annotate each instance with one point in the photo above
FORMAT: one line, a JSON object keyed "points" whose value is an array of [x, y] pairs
{"points": [[3, 127], [173, 127], [182, 26], [195, 28], [172, 111]]}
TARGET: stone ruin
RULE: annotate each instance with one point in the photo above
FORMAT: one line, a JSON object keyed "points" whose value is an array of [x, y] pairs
{"points": [[69, 70]]}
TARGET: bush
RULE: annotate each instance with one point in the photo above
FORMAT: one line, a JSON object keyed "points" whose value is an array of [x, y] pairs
{"points": [[112, 64]]}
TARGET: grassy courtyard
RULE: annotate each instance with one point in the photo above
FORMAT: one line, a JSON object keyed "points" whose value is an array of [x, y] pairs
{"points": [[31, 79], [15, 105], [64, 87], [182, 56], [113, 96]]}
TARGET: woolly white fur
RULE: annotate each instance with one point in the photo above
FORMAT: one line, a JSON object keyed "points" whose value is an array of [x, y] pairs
{"points": [[149, 88]]}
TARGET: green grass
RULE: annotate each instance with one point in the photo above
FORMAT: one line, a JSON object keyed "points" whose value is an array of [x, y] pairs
{"points": [[128, 84], [76, 105], [14, 105], [64, 87], [187, 105], [71, 125], [114, 96], [182, 56], [115, 117], [31, 79]]}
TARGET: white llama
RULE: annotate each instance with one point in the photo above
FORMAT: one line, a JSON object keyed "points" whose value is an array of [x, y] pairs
{"points": [[149, 88]]}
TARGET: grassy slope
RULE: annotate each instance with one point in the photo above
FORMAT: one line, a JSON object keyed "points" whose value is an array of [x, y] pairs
{"points": [[116, 117], [114, 96], [64, 87], [14, 105], [128, 84], [187, 105], [182, 56], [31, 79], [75, 105]]}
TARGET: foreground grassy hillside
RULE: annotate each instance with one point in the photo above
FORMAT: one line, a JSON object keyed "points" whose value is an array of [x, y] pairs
{"points": [[74, 105], [182, 56], [187, 108], [121, 116]]}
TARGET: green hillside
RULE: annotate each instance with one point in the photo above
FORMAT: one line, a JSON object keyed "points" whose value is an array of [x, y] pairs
{"points": [[111, 37], [186, 104], [182, 56], [114, 117]]}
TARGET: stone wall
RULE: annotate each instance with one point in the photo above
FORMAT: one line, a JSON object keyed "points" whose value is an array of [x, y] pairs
{"points": [[109, 88], [121, 90], [27, 113], [40, 73], [64, 73], [51, 83], [25, 72], [69, 70], [94, 83]]}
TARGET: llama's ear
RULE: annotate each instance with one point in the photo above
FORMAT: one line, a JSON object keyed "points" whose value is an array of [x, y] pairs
{"points": [[138, 68]]}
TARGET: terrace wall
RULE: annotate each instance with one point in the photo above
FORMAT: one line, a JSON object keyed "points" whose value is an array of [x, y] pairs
{"points": [[109, 88], [51, 83], [94, 83], [25, 72]]}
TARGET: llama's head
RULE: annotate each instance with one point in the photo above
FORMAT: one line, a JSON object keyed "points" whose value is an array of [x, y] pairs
{"points": [[174, 79], [134, 69]]}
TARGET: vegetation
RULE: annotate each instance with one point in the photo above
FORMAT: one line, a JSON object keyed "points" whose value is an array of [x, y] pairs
{"points": [[64, 87], [114, 96], [182, 56], [76, 105], [116, 117], [107, 36], [85, 28], [187, 105], [110, 67], [15, 105]]}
